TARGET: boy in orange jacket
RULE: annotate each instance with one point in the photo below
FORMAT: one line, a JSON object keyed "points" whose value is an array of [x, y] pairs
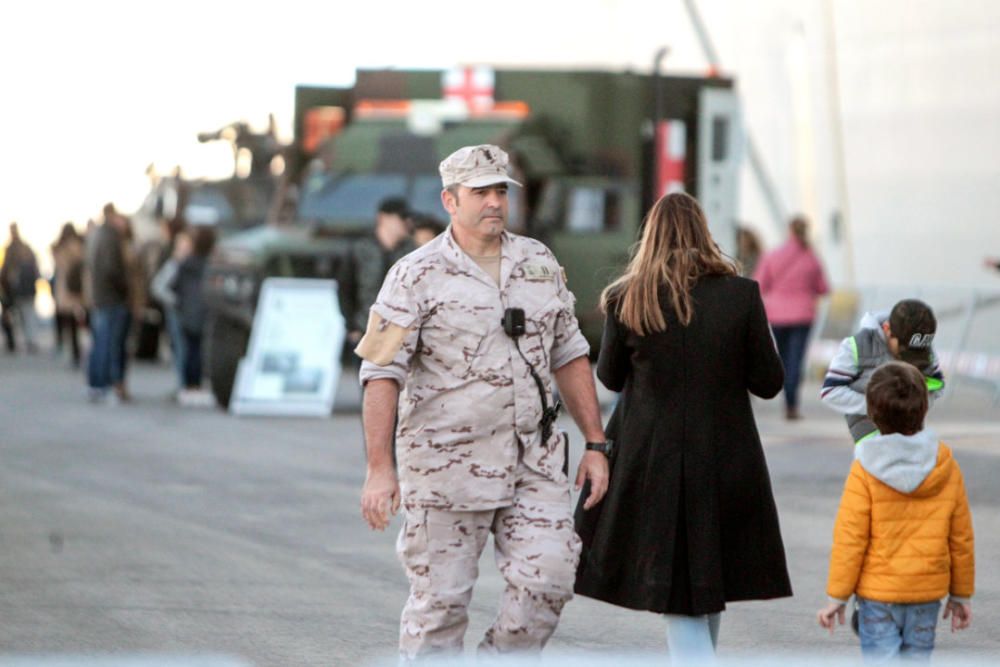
{"points": [[903, 537]]}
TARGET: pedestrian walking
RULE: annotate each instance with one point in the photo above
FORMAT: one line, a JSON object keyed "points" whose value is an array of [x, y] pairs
{"points": [[906, 333], [67, 257], [791, 280], [903, 537], [374, 254], [7, 321], [189, 287], [689, 521], [109, 294], [748, 251], [466, 337], [162, 288], [18, 277], [135, 275]]}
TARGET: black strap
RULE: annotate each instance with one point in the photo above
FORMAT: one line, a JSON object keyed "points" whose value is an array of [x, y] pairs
{"points": [[549, 415]]}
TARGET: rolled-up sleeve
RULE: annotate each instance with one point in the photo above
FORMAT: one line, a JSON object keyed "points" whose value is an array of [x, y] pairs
{"points": [[568, 342], [395, 307], [396, 369]]}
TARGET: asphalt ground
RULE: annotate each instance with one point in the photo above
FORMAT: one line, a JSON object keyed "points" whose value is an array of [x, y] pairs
{"points": [[148, 527]]}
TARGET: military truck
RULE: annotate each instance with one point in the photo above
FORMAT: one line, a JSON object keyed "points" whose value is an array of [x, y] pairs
{"points": [[593, 149]]}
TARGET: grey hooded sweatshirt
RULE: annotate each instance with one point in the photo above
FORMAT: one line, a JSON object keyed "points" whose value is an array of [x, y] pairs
{"points": [[900, 461]]}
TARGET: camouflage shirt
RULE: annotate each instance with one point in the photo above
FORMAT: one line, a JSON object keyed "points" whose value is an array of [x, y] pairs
{"points": [[468, 399]]}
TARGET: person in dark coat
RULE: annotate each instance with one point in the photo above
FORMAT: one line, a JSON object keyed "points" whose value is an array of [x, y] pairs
{"points": [[18, 275], [689, 522], [107, 289], [374, 255], [189, 287]]}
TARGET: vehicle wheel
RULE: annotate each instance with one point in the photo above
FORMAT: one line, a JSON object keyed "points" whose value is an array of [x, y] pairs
{"points": [[227, 343]]}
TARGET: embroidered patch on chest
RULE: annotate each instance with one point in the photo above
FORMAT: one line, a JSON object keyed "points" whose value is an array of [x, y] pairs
{"points": [[538, 272]]}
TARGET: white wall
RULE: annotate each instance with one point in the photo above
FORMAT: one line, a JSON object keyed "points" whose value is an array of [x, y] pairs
{"points": [[920, 108]]}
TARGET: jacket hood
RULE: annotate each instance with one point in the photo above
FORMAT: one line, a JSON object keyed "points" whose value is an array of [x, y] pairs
{"points": [[908, 463], [874, 321]]}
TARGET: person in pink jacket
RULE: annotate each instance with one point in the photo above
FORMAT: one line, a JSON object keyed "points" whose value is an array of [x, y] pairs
{"points": [[791, 280]]}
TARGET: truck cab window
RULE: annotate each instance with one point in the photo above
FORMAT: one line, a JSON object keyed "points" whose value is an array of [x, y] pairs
{"points": [[593, 210], [585, 210], [352, 197]]}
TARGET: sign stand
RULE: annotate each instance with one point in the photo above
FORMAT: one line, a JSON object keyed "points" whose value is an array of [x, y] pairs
{"points": [[292, 366]]}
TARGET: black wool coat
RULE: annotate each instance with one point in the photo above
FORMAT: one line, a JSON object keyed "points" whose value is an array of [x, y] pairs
{"points": [[689, 521]]}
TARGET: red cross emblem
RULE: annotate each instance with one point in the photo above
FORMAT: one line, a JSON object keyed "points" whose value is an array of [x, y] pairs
{"points": [[472, 85]]}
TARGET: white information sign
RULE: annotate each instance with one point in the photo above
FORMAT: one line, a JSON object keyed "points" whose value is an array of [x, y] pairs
{"points": [[292, 366]]}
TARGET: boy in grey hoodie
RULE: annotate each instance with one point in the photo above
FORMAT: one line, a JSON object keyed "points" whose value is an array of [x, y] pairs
{"points": [[905, 334]]}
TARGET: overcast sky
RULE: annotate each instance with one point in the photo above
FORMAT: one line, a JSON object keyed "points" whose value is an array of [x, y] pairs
{"points": [[93, 92]]}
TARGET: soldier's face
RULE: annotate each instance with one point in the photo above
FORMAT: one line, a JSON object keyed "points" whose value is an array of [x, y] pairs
{"points": [[480, 211]]}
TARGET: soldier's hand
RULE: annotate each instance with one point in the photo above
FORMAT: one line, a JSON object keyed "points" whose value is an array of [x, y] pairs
{"points": [[380, 497], [593, 467]]}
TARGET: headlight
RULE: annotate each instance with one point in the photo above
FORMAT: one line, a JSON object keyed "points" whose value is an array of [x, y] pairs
{"points": [[231, 286], [247, 284], [235, 287]]}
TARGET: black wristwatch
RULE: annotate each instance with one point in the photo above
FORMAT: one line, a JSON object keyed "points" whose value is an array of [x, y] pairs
{"points": [[602, 447]]}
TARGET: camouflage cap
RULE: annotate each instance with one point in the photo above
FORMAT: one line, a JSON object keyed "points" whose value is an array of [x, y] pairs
{"points": [[475, 167]]}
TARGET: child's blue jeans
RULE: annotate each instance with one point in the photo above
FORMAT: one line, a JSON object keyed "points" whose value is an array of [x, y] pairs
{"points": [[891, 630]]}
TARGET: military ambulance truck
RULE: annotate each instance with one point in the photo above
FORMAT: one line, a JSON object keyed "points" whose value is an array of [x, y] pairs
{"points": [[593, 150]]}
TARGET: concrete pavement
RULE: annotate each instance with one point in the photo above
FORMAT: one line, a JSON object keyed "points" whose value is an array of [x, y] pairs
{"points": [[151, 528]]}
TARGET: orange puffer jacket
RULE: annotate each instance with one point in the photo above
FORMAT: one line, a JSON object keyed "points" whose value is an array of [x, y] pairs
{"points": [[904, 532]]}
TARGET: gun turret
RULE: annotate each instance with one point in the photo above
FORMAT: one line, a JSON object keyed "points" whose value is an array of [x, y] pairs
{"points": [[263, 146]]}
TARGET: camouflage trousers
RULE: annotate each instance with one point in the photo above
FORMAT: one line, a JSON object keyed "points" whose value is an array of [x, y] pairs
{"points": [[536, 551]]}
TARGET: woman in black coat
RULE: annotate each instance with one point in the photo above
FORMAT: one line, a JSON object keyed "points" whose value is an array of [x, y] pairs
{"points": [[689, 521]]}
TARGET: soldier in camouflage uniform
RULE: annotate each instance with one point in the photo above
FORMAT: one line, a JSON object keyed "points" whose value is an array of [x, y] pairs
{"points": [[471, 457]]}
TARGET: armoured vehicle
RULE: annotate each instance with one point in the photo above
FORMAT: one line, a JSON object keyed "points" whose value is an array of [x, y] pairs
{"points": [[230, 205], [593, 149]]}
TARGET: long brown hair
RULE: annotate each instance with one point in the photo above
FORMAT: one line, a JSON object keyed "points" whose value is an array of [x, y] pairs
{"points": [[676, 250]]}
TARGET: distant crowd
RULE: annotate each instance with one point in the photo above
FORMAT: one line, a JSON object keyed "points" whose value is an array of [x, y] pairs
{"points": [[105, 283], [123, 293]]}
